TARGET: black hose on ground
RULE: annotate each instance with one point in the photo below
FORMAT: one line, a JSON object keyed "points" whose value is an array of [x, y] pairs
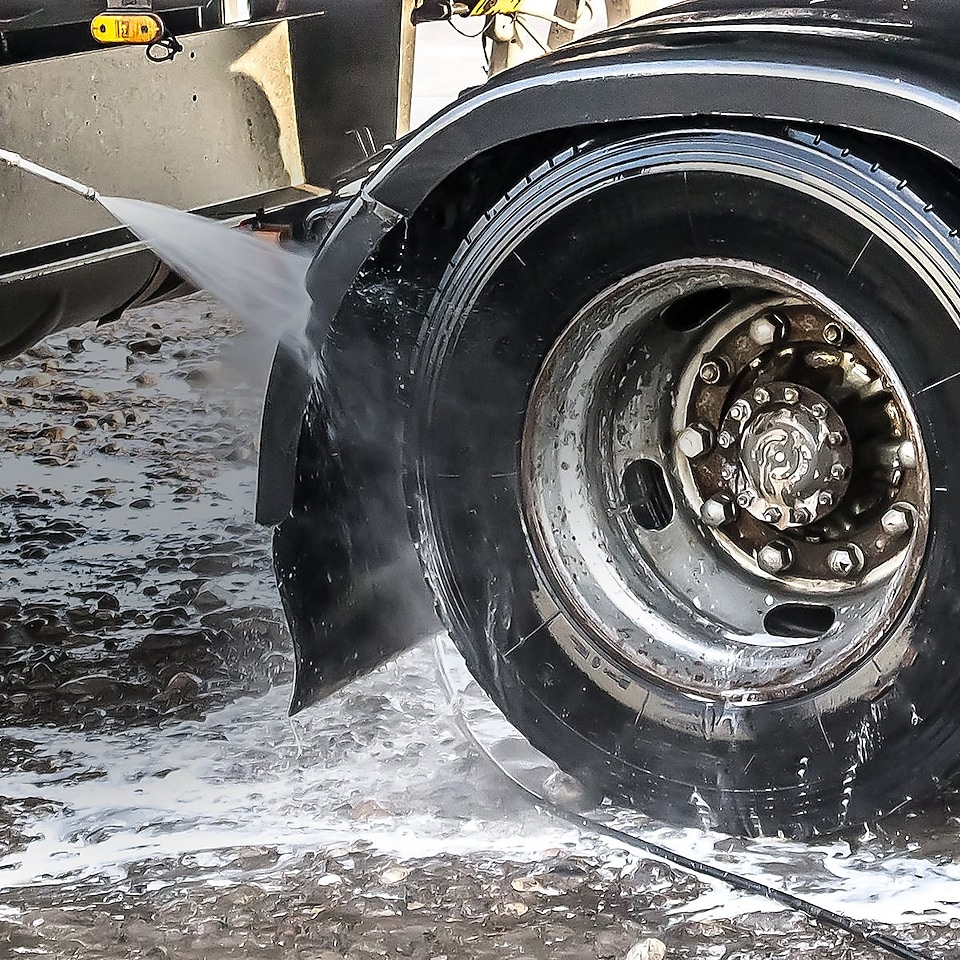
{"points": [[864, 930]]}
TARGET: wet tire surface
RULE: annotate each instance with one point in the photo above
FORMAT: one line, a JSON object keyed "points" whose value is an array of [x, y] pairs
{"points": [[156, 802]]}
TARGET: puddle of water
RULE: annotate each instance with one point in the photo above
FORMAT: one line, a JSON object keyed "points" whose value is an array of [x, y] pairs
{"points": [[247, 776], [383, 763]]}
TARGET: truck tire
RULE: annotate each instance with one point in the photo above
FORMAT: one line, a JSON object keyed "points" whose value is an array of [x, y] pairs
{"points": [[680, 461]]}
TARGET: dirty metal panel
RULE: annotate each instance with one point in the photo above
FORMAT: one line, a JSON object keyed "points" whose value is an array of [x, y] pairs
{"points": [[221, 122]]}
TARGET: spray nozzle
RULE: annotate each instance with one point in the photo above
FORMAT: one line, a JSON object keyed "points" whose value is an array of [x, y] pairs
{"points": [[15, 160]]}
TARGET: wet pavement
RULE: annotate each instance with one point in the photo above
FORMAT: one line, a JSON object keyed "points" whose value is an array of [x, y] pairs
{"points": [[156, 801]]}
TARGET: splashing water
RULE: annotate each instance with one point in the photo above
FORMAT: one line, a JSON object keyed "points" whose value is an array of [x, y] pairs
{"points": [[261, 283]]}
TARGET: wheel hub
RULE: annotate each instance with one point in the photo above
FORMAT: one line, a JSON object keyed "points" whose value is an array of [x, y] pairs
{"points": [[796, 446], [793, 454]]}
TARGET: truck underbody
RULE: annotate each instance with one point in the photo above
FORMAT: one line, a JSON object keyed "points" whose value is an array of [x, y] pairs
{"points": [[260, 114]]}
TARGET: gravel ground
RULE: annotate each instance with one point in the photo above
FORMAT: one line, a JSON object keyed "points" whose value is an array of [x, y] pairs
{"points": [[156, 802]]}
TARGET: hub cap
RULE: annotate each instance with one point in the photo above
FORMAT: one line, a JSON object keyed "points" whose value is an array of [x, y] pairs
{"points": [[793, 455]]}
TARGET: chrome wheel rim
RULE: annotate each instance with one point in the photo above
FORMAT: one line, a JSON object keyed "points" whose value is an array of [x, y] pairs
{"points": [[724, 484]]}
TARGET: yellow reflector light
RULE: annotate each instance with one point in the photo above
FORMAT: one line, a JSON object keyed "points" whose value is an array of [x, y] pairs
{"points": [[126, 28], [484, 8]]}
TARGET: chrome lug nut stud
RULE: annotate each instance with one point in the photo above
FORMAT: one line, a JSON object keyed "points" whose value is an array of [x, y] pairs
{"points": [[838, 471], [898, 520], [845, 561], [772, 515], [711, 372], [834, 439], [774, 557], [718, 511], [833, 334], [740, 410], [907, 454], [725, 439], [819, 411], [790, 395], [825, 498], [761, 395], [695, 440], [768, 329]]}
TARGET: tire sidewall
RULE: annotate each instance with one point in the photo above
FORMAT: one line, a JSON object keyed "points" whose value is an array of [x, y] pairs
{"points": [[888, 729]]}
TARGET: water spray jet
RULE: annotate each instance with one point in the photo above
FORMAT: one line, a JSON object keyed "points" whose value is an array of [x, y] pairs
{"points": [[28, 166]]}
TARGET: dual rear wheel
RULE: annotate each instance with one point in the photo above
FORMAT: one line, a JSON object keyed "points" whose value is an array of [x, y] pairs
{"points": [[682, 479]]}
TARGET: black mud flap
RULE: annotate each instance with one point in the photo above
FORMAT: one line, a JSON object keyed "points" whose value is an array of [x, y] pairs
{"points": [[348, 572]]}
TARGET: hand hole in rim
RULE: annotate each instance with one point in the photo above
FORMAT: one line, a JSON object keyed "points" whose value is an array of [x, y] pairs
{"points": [[647, 493], [799, 620]]}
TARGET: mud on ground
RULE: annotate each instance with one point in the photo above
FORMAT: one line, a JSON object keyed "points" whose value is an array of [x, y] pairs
{"points": [[153, 800]]}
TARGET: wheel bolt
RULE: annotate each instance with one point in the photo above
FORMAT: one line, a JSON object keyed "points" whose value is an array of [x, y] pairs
{"points": [[819, 411], [744, 499], [774, 557], [907, 454], [725, 439], [790, 395], [711, 371], [825, 498], [761, 395], [898, 520], [768, 329], [833, 333], [834, 439], [838, 471], [718, 510], [772, 515], [845, 561], [728, 471], [695, 440], [802, 515], [740, 410]]}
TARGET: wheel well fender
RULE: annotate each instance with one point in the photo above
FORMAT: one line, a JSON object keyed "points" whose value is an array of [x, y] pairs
{"points": [[440, 177]]}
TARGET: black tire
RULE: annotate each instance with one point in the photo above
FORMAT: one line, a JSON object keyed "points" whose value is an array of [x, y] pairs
{"points": [[883, 728]]}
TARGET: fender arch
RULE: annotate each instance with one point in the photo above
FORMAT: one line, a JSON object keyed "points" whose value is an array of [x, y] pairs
{"points": [[886, 75]]}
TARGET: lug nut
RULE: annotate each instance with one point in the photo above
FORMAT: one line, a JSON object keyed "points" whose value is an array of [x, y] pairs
{"points": [[834, 439], [898, 520], [725, 439], [774, 557], [744, 499], [772, 515], [718, 510], [819, 410], [740, 410], [768, 329], [845, 561], [825, 498], [711, 371], [761, 395], [838, 471], [695, 440], [790, 395], [728, 471], [907, 454], [833, 334]]}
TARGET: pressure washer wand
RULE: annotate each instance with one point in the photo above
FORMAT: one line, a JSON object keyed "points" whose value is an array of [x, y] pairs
{"points": [[15, 160]]}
